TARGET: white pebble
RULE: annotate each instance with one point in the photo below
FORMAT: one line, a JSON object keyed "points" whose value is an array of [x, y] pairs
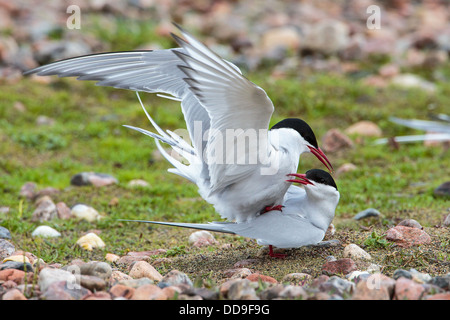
{"points": [[355, 252], [355, 274], [90, 241], [82, 211], [195, 236], [111, 257], [16, 258], [138, 183], [45, 232]]}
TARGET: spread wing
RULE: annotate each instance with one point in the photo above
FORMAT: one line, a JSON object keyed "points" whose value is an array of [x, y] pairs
{"points": [[235, 105], [212, 91], [145, 71]]}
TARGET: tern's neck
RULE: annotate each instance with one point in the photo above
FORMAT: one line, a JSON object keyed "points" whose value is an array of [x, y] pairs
{"points": [[320, 206]]}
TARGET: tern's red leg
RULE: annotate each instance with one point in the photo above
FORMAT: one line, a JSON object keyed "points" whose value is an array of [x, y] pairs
{"points": [[276, 255], [267, 209]]}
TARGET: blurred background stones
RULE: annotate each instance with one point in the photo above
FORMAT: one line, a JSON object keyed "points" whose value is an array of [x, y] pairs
{"points": [[325, 35]]}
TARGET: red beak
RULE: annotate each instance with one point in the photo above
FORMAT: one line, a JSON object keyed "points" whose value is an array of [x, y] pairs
{"points": [[302, 178], [322, 157]]}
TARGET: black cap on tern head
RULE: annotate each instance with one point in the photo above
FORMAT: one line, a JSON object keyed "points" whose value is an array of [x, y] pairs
{"points": [[320, 176], [301, 127]]}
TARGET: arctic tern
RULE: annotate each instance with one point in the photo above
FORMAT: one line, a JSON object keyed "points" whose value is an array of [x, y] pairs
{"points": [[216, 100], [306, 215]]}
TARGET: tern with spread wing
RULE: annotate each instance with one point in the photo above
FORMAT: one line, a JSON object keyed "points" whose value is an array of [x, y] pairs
{"points": [[238, 163], [306, 215]]}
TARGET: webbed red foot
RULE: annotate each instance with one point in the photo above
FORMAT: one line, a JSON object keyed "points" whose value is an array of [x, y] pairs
{"points": [[269, 208]]}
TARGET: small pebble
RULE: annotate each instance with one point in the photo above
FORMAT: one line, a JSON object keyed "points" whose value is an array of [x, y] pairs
{"points": [[142, 269], [355, 252], [175, 277], [446, 222], [201, 238], [18, 265], [45, 211], [111, 257], [4, 233], [18, 276], [99, 295], [90, 241], [45, 232], [366, 289], [241, 273], [82, 211], [98, 269], [271, 292], [92, 178], [407, 237], [443, 190], [368, 213], [420, 277], [340, 266], [346, 167], [401, 273], [13, 294], [242, 290], [441, 281], [245, 263], [48, 276], [63, 211], [119, 290], [64, 290], [135, 283], [364, 128], [334, 140], [28, 190], [6, 248], [407, 289], [92, 283], [410, 223], [148, 292], [17, 258], [325, 244], [357, 275], [44, 121], [117, 276], [293, 292], [256, 277], [296, 278], [336, 285], [138, 183]]}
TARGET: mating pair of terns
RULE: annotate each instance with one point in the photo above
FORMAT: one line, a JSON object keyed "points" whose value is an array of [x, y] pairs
{"points": [[258, 199]]}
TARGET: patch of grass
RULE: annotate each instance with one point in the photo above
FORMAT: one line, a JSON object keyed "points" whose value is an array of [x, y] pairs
{"points": [[176, 251], [376, 241]]}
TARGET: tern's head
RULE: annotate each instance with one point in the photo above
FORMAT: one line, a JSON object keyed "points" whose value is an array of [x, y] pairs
{"points": [[318, 183], [307, 138]]}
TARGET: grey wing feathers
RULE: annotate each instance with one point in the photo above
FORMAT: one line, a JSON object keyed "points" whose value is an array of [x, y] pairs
{"points": [[148, 71]]}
